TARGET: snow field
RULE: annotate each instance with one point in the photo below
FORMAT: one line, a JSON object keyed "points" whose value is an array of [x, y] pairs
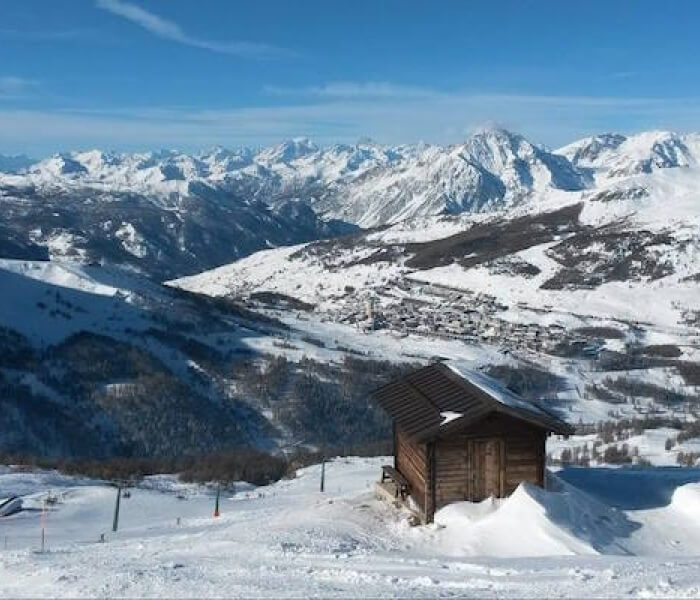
{"points": [[289, 540]]}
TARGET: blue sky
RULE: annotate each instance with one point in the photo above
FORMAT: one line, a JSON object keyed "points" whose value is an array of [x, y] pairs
{"points": [[137, 74]]}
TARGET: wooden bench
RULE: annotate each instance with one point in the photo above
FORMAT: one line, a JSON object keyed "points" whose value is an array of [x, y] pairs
{"points": [[402, 487]]}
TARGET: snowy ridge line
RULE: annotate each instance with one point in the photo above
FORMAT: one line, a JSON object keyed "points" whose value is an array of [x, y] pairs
{"points": [[369, 184]]}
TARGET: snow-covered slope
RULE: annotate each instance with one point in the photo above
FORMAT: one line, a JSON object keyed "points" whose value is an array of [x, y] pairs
{"points": [[88, 352], [289, 540], [96, 361]]}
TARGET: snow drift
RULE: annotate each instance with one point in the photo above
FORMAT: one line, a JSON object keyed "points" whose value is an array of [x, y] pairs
{"points": [[686, 499], [531, 522]]}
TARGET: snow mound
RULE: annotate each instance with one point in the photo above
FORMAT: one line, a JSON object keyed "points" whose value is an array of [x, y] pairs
{"points": [[686, 499], [531, 522]]}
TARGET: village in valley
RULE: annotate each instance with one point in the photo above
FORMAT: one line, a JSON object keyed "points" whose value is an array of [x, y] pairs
{"points": [[434, 310]]}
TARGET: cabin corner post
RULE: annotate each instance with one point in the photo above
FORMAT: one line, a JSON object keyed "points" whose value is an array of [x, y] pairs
{"points": [[393, 442], [429, 512], [542, 460], [502, 467], [471, 471]]}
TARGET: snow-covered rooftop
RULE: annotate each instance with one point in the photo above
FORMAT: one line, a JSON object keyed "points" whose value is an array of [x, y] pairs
{"points": [[494, 388]]}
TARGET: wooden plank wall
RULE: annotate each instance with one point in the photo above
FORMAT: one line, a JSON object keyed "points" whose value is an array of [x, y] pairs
{"points": [[522, 453], [412, 462], [522, 458], [524, 461], [452, 471]]}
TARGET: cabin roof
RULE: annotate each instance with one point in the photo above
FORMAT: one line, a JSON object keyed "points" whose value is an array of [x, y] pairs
{"points": [[444, 397]]}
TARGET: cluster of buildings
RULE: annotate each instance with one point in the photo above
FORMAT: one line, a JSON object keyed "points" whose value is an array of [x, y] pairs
{"points": [[438, 311]]}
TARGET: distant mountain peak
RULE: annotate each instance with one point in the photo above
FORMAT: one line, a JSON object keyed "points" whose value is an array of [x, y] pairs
{"points": [[289, 150], [613, 155], [61, 164]]}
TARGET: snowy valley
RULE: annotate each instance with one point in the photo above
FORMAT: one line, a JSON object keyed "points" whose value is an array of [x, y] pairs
{"points": [[169, 305], [572, 275]]}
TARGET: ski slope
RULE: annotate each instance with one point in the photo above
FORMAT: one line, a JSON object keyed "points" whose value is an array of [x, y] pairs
{"points": [[590, 539]]}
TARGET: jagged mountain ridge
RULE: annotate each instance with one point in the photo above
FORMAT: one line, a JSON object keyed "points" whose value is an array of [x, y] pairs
{"points": [[169, 214], [491, 164], [365, 184]]}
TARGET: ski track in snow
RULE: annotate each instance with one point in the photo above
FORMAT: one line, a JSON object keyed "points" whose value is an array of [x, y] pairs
{"points": [[289, 540]]}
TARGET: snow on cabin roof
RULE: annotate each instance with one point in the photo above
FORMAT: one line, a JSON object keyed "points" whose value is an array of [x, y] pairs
{"points": [[493, 388], [448, 416], [445, 397]]}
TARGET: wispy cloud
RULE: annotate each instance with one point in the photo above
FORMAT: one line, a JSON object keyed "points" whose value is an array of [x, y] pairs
{"points": [[15, 87], [356, 90], [170, 30], [378, 92], [436, 118]]}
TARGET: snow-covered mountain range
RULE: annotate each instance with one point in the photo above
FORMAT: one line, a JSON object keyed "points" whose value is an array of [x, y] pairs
{"points": [[366, 183], [495, 251], [168, 213]]}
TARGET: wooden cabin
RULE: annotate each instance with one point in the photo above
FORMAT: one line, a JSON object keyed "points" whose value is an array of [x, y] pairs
{"points": [[460, 435]]}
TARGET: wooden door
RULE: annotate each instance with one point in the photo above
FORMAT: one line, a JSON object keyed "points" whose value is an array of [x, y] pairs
{"points": [[487, 469]]}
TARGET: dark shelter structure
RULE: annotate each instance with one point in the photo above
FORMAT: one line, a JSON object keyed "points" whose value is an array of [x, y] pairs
{"points": [[460, 435]]}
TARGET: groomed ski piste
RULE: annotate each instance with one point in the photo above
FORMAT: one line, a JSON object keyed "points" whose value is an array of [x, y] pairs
{"points": [[632, 532]]}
